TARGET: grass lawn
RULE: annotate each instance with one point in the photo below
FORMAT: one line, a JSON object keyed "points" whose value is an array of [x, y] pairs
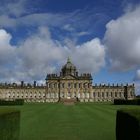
{"points": [[84, 121]]}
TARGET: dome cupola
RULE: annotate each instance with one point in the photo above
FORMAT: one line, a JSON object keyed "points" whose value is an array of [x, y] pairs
{"points": [[68, 68]]}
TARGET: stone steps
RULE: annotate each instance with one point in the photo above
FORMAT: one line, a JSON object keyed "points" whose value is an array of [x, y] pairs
{"points": [[66, 101]]}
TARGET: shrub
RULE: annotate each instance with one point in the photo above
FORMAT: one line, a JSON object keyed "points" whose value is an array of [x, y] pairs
{"points": [[126, 102], [19, 101], [128, 124], [14, 102], [138, 101], [9, 124]]}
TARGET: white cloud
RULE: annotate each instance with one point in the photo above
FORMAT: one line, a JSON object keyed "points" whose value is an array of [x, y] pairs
{"points": [[137, 88], [83, 33], [4, 37], [72, 23], [68, 27], [7, 52], [39, 19], [40, 54], [122, 40], [13, 8], [90, 56], [137, 76]]}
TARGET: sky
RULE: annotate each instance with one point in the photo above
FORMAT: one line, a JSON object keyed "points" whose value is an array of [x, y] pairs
{"points": [[102, 37]]}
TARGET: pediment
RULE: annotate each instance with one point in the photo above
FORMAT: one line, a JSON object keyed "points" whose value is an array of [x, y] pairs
{"points": [[69, 77]]}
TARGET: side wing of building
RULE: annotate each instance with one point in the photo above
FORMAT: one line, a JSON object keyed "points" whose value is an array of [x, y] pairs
{"points": [[29, 94]]}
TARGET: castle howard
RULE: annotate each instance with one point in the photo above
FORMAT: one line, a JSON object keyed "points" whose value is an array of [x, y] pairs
{"points": [[67, 85]]}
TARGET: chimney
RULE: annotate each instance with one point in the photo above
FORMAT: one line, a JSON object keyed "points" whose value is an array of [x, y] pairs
{"points": [[22, 83], [34, 83]]}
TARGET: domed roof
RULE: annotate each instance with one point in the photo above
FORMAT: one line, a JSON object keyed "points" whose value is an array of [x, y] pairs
{"points": [[69, 65], [68, 69]]}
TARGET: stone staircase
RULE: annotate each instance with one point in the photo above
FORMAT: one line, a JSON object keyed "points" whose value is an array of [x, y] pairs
{"points": [[70, 101]]}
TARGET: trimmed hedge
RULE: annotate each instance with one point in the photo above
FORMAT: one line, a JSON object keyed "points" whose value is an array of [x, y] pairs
{"points": [[138, 101], [126, 102], [14, 102], [9, 124], [128, 124]]}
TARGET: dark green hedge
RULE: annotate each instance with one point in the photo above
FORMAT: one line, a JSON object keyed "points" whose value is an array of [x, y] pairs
{"points": [[14, 102], [126, 102], [138, 101], [9, 124], [128, 124]]}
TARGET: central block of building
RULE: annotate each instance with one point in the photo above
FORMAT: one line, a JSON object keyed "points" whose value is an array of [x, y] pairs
{"points": [[69, 84]]}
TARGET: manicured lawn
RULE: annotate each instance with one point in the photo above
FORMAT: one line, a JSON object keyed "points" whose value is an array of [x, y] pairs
{"points": [[88, 121]]}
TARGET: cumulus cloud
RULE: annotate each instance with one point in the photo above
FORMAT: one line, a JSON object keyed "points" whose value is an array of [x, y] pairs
{"points": [[7, 52], [40, 54], [89, 57], [122, 40]]}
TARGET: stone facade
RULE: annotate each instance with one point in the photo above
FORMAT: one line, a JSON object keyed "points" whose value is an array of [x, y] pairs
{"points": [[68, 85]]}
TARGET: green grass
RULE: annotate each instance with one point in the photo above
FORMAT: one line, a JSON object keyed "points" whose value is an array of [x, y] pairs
{"points": [[88, 121]]}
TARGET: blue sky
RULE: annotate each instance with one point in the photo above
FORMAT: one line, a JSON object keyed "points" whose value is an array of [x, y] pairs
{"points": [[102, 37]]}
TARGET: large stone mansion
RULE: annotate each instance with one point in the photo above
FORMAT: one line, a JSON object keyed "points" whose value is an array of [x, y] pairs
{"points": [[67, 85]]}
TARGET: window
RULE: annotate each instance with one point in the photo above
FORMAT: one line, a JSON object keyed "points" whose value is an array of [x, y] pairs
{"points": [[115, 94], [102, 94], [63, 85], [75, 85], [52, 85], [107, 94], [62, 94], [69, 85], [131, 93], [55, 85], [84, 85], [120, 94]]}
